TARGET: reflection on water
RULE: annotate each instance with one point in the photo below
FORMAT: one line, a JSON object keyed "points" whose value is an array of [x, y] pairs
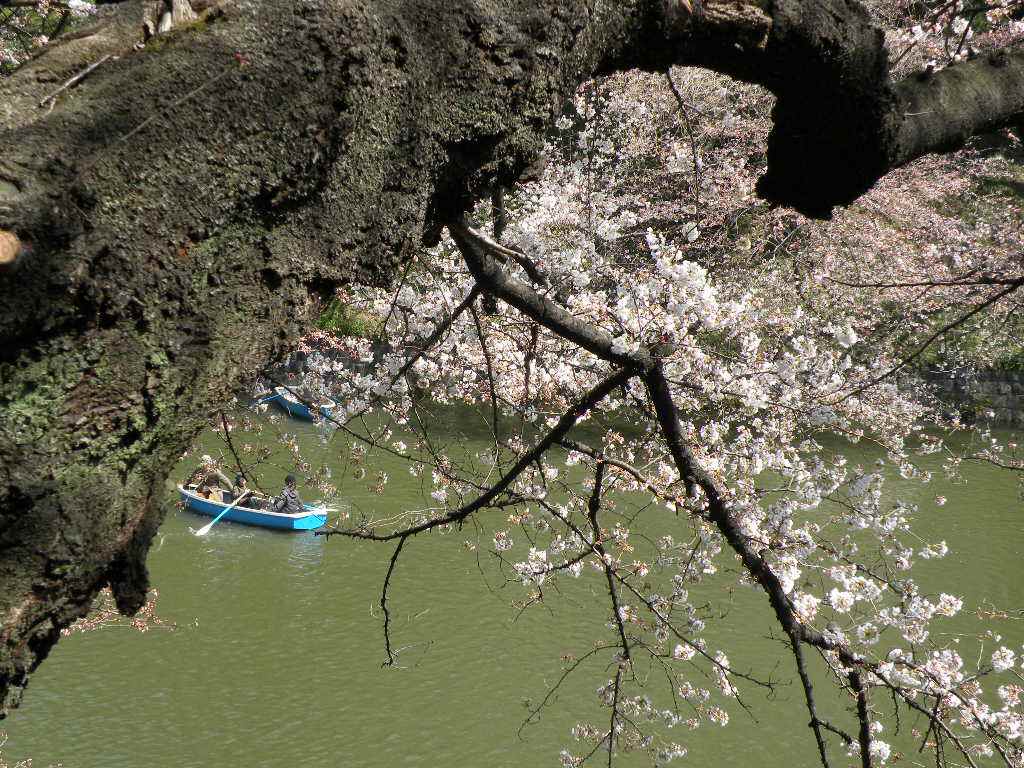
{"points": [[276, 657], [307, 552]]}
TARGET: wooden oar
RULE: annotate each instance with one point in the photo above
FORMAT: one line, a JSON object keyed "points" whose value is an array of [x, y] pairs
{"points": [[206, 528]]}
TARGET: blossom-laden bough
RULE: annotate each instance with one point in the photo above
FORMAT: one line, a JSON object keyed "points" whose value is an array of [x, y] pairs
{"points": [[646, 369], [725, 378], [724, 383], [705, 381]]}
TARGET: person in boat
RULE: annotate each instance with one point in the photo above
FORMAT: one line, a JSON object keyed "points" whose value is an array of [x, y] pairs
{"points": [[240, 486], [213, 484], [288, 502]]}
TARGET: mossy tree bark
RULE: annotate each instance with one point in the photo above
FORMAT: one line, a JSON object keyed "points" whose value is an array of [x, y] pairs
{"points": [[174, 219]]}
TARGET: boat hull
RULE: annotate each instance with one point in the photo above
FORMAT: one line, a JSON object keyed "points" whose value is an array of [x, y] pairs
{"points": [[315, 517], [287, 402]]}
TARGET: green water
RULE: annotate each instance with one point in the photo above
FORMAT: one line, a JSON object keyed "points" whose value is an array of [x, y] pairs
{"points": [[275, 659]]}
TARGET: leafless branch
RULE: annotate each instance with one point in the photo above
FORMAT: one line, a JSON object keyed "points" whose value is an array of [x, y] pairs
{"points": [[384, 602], [863, 718], [74, 80], [1010, 288], [589, 400], [815, 723]]}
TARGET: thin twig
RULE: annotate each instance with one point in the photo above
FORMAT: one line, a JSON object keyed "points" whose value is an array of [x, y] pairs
{"points": [[238, 460], [558, 432], [177, 103], [1013, 286], [74, 80]]}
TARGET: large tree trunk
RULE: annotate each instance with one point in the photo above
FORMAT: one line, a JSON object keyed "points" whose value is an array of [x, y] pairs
{"points": [[170, 222]]}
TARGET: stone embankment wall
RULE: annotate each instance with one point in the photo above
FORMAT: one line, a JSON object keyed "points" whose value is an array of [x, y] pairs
{"points": [[995, 397]]}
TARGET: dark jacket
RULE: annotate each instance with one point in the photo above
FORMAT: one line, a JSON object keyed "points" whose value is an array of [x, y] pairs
{"points": [[288, 502]]}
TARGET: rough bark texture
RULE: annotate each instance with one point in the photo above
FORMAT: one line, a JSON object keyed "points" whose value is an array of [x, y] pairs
{"points": [[941, 111], [173, 220]]}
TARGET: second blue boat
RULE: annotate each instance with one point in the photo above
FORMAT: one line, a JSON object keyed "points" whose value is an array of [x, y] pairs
{"points": [[291, 405]]}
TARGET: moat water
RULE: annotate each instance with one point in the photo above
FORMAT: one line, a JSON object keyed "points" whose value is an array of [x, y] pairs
{"points": [[275, 655]]}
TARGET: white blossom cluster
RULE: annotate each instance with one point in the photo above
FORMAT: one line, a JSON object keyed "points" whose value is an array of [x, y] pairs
{"points": [[27, 27]]}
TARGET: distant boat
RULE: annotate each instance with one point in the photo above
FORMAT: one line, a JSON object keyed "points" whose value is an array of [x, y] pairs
{"points": [[315, 515], [294, 407]]}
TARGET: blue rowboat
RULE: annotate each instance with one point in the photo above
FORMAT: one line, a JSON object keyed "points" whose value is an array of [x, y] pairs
{"points": [[315, 515], [294, 407]]}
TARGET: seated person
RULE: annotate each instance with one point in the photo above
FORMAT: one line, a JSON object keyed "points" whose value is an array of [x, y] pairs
{"points": [[288, 502], [239, 487]]}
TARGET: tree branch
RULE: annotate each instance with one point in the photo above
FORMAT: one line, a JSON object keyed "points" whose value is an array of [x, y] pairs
{"points": [[480, 253], [863, 718], [805, 680], [589, 400], [940, 111], [384, 602]]}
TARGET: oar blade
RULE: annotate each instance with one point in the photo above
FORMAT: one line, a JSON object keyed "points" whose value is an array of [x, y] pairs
{"points": [[206, 528]]}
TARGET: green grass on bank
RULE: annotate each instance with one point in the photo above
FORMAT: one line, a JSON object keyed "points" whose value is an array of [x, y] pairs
{"points": [[342, 320]]}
